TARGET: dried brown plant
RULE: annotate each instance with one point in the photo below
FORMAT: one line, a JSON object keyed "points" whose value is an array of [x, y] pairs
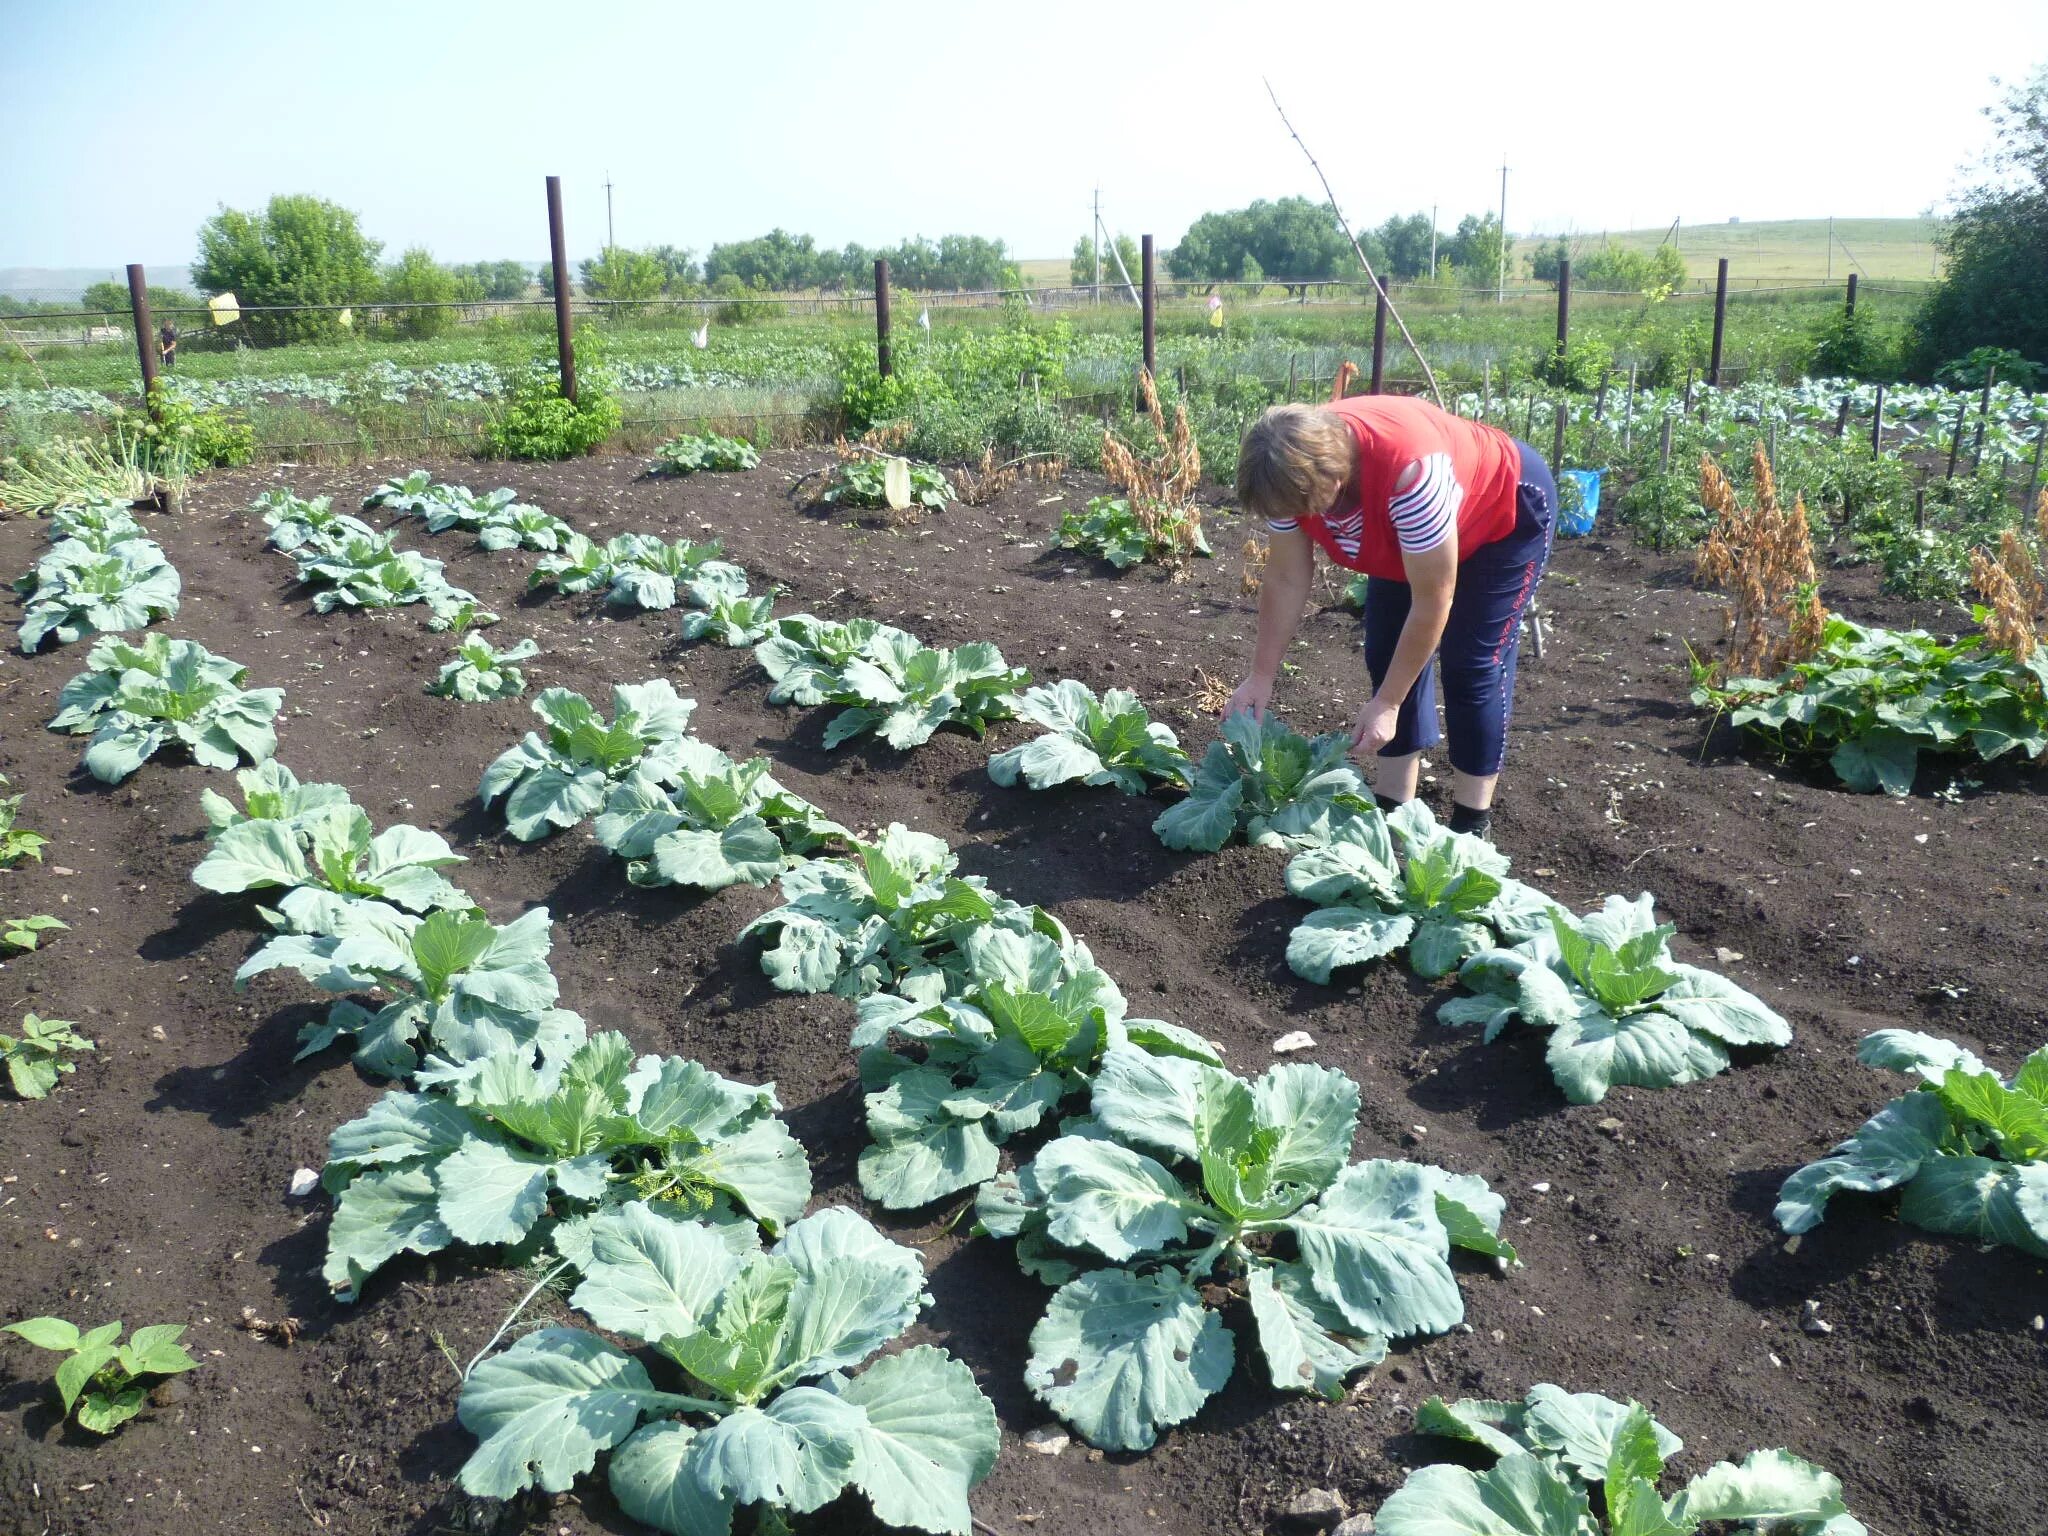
{"points": [[986, 481], [1254, 552], [2012, 596], [283, 1331], [2018, 561], [1046, 469], [1762, 556], [1210, 693], [1160, 483]]}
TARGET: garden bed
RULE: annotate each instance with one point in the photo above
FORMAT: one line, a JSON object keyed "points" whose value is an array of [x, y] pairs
{"points": [[152, 1185]]}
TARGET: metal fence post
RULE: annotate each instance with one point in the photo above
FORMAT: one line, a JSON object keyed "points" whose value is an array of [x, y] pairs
{"points": [[884, 364], [145, 333], [1564, 306], [1851, 309], [1151, 307], [1877, 423], [1720, 322], [1983, 411], [565, 326], [1379, 339]]}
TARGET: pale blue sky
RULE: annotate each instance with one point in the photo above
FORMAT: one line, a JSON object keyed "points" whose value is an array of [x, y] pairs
{"points": [[436, 120]]}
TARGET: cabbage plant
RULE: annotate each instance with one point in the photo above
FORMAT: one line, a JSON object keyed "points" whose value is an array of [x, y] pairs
{"points": [[294, 522], [480, 671], [1966, 1149], [371, 572], [1267, 783], [891, 914], [772, 1414], [454, 980], [1619, 1009], [715, 823], [514, 1148], [723, 610], [98, 525], [635, 570], [270, 792], [412, 495], [1106, 740], [1187, 1176], [1556, 1447], [803, 655], [1444, 898], [555, 780], [138, 699], [75, 591], [333, 849], [1023, 1032]]}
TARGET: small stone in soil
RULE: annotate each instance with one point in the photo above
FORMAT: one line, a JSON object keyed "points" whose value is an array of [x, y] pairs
{"points": [[1318, 1509], [1047, 1439], [1294, 1040]]}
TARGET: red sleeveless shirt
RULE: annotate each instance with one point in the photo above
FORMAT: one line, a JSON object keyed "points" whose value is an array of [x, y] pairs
{"points": [[1469, 472]]}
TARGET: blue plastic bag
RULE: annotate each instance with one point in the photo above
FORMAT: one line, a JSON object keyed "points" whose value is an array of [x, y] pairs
{"points": [[1577, 520]]}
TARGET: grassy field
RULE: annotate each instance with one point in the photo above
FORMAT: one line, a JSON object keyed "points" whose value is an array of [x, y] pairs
{"points": [[1896, 249]]}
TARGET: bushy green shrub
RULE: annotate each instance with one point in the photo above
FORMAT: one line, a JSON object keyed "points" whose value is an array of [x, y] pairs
{"points": [[539, 423]]}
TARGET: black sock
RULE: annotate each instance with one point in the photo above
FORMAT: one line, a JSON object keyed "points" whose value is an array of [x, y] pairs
{"points": [[1387, 807], [1471, 821]]}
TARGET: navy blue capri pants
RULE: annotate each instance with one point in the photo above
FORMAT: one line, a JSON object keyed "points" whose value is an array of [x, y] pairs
{"points": [[1481, 639]]}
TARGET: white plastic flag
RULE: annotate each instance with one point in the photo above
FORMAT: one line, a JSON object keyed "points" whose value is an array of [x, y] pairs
{"points": [[896, 483], [924, 318], [701, 337]]}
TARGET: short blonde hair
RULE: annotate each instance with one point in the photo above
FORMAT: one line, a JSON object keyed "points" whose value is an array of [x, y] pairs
{"points": [[1294, 461]]}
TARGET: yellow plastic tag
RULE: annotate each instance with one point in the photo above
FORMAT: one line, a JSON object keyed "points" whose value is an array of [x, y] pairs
{"points": [[225, 307]]}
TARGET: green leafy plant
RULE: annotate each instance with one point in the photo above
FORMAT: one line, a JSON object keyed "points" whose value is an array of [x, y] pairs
{"points": [[864, 482], [460, 618], [332, 849], [498, 518], [1556, 1447], [463, 984], [804, 655], [903, 690], [1663, 508], [411, 495], [75, 591], [1967, 1149], [22, 934], [1022, 1031], [1875, 699], [892, 914], [1619, 1009], [372, 572], [1444, 898], [724, 611], [16, 842], [513, 1150], [636, 570], [270, 792], [480, 671], [99, 524], [690, 453], [714, 823], [539, 423], [36, 1059], [294, 521], [137, 699], [102, 1381], [554, 781], [1110, 528], [1269, 784], [1106, 740], [764, 1343], [1251, 1190]]}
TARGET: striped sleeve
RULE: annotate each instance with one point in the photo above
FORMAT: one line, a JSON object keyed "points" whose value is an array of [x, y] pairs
{"points": [[1425, 513], [1283, 524]]}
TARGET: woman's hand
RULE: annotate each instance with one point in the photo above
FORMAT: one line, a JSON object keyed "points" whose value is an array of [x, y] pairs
{"points": [[1375, 727], [1253, 695]]}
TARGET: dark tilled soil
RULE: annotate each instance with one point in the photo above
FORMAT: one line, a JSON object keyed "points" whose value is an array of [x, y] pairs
{"points": [[153, 1185]]}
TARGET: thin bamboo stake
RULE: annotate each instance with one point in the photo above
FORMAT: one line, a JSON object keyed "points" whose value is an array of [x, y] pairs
{"points": [[1358, 251]]}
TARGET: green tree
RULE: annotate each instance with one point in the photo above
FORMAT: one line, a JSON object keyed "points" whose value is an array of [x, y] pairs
{"points": [[617, 273], [301, 250], [418, 279], [1994, 287], [1474, 248], [1290, 241], [1548, 259], [1406, 243], [775, 262], [1081, 271], [494, 279], [112, 298], [679, 270]]}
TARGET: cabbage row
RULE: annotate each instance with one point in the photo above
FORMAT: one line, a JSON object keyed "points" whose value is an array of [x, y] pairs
{"points": [[102, 575]]}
